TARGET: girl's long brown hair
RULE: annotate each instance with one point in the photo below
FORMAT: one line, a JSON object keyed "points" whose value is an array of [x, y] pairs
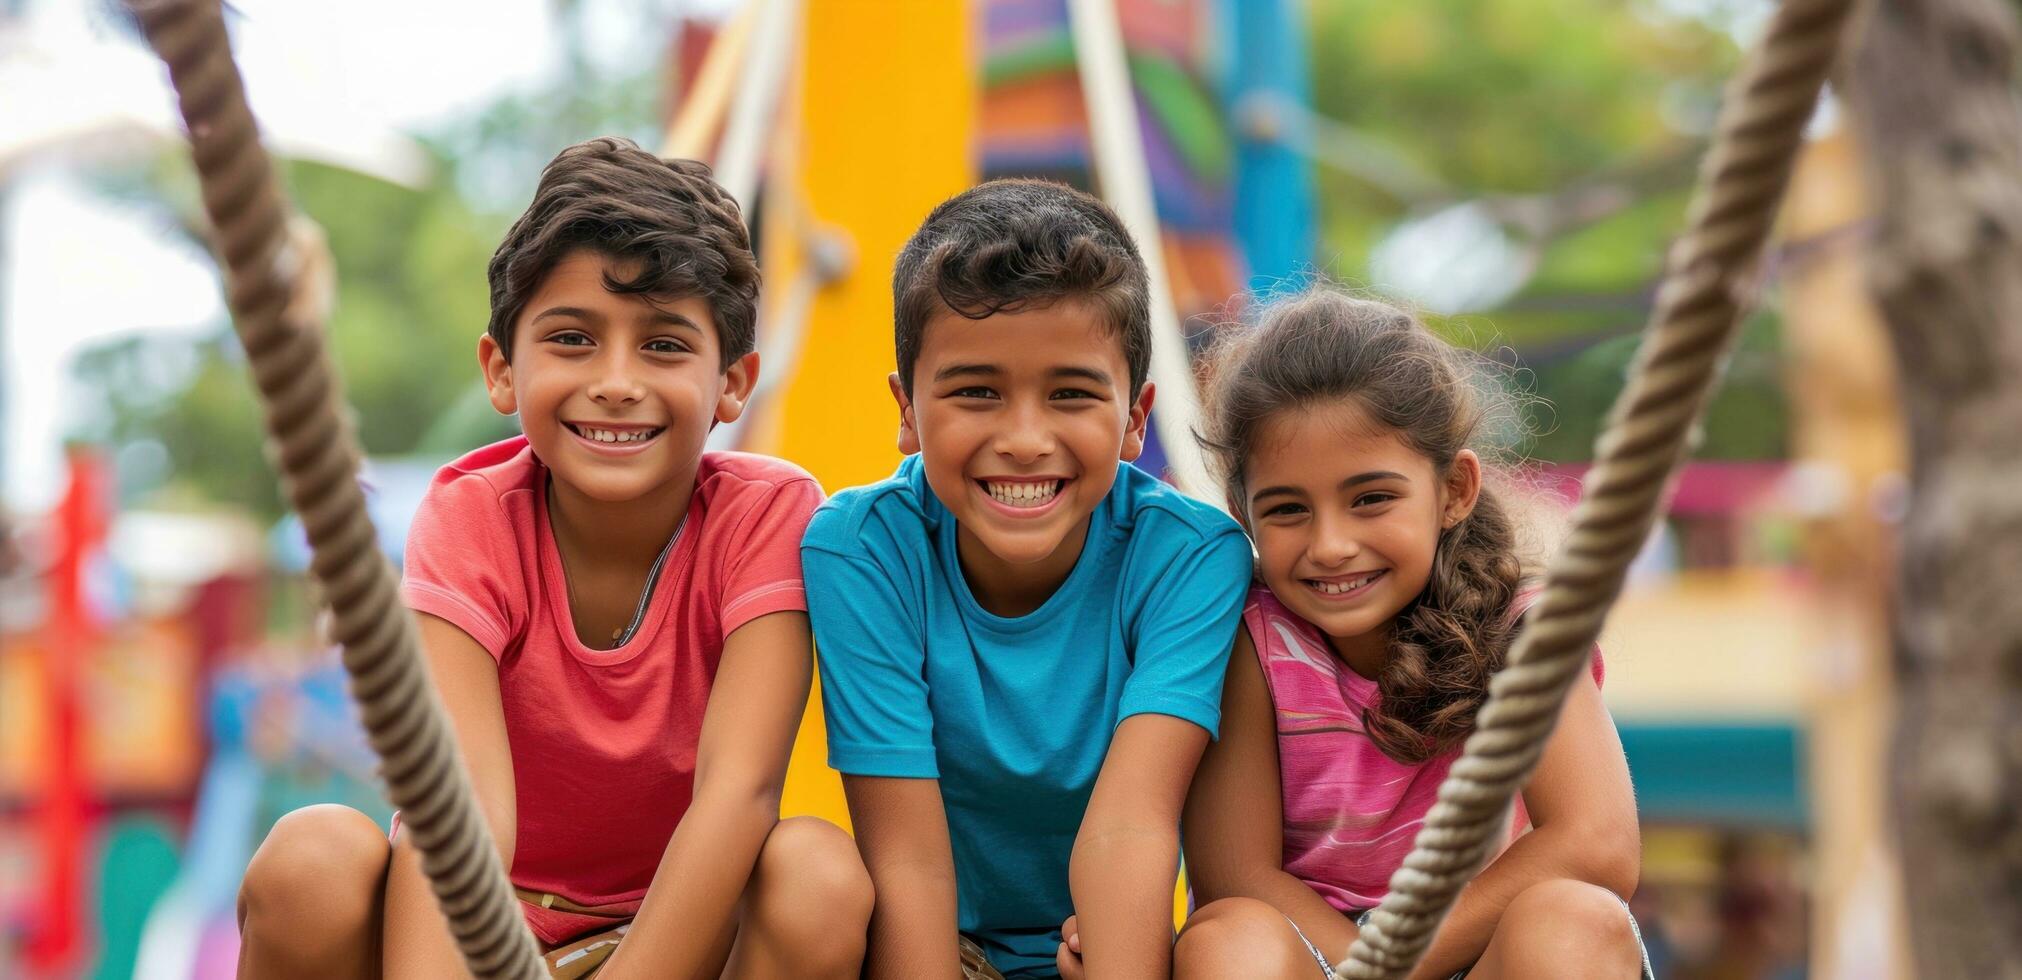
{"points": [[1323, 346]]}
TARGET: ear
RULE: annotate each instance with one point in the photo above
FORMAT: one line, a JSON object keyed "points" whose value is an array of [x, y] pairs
{"points": [[1462, 490], [498, 375], [909, 433], [1133, 428], [740, 379]]}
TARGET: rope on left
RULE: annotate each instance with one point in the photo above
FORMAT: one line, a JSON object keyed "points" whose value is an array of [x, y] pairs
{"points": [[318, 456]]}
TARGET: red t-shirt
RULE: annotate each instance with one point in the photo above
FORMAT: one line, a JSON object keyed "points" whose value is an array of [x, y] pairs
{"points": [[603, 741]]}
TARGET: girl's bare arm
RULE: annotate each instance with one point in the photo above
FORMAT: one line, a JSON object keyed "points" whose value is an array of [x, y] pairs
{"points": [[1235, 813], [1583, 812]]}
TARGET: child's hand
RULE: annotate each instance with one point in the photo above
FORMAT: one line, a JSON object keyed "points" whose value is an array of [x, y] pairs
{"points": [[1068, 959]]}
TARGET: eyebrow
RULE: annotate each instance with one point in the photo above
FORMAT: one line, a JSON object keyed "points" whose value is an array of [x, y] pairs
{"points": [[1354, 481], [1084, 373], [569, 311], [961, 370], [658, 318], [1088, 374]]}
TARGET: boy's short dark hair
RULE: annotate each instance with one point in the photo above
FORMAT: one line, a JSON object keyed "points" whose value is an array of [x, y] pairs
{"points": [[1012, 245], [609, 196]]}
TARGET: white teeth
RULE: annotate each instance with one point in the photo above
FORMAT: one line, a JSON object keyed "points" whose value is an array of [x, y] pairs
{"points": [[606, 435], [1337, 588], [1023, 494]]}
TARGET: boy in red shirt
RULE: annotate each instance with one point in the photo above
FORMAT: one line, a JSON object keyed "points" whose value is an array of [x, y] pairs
{"points": [[615, 621]]}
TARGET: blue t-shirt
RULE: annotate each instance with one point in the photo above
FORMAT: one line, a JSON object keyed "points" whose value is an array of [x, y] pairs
{"points": [[1014, 716]]}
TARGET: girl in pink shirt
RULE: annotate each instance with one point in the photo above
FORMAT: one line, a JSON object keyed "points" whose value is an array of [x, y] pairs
{"points": [[1389, 590]]}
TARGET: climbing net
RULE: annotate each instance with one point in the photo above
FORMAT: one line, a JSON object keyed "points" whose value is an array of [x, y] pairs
{"points": [[1707, 286]]}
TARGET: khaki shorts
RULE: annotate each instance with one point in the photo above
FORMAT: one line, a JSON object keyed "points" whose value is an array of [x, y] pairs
{"points": [[582, 957], [578, 938], [584, 953], [975, 966]]}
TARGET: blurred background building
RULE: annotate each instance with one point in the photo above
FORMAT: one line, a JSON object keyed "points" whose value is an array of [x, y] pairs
{"points": [[1514, 168]]}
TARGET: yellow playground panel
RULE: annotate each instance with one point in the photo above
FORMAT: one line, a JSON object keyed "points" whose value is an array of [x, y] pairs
{"points": [[880, 141]]}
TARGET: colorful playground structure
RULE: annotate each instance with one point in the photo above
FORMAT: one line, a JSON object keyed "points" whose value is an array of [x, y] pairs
{"points": [[156, 716]]}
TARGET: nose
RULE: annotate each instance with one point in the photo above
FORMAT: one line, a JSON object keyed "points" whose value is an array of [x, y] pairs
{"points": [[1333, 542], [1025, 437], [616, 381]]}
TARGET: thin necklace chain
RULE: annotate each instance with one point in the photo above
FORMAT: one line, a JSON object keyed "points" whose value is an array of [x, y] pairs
{"points": [[623, 634]]}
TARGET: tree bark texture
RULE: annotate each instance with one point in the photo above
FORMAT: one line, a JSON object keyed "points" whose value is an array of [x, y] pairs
{"points": [[1934, 91]]}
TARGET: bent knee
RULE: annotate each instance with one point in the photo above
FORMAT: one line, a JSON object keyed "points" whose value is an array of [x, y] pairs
{"points": [[1567, 920], [1239, 937], [820, 864], [320, 864]]}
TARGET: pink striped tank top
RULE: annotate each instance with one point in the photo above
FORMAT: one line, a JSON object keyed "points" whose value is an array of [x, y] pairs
{"points": [[1351, 812]]}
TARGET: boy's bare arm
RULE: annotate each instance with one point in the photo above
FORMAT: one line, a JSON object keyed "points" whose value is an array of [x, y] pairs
{"points": [[418, 942], [902, 830], [689, 918], [1583, 815], [1235, 813], [1127, 853]]}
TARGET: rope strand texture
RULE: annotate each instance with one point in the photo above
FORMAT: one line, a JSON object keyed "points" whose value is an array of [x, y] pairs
{"points": [[1692, 329], [318, 457]]}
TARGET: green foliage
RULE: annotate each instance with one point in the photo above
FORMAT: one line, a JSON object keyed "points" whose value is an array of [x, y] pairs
{"points": [[411, 301], [1527, 101], [1509, 96], [1506, 100], [191, 397], [1748, 418], [411, 298]]}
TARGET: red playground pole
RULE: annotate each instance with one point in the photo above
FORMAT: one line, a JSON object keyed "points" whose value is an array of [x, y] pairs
{"points": [[55, 941]]}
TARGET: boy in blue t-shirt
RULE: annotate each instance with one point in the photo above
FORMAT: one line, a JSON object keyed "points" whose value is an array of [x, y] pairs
{"points": [[1022, 638]]}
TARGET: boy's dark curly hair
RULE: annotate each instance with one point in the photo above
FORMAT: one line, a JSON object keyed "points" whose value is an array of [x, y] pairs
{"points": [[1018, 244], [668, 218], [1323, 346]]}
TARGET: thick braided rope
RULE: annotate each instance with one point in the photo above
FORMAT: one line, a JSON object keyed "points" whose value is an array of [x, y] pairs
{"points": [[1691, 331], [318, 457]]}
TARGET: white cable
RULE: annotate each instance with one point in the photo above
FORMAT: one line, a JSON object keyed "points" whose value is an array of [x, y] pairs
{"points": [[766, 58], [1125, 179]]}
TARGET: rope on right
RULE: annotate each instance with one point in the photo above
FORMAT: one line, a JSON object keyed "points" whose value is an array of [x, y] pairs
{"points": [[1710, 278]]}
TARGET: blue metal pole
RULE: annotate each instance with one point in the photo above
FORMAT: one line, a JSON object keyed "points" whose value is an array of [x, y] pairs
{"points": [[1266, 97]]}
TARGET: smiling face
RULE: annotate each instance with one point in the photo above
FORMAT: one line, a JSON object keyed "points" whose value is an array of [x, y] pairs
{"points": [[615, 392], [1347, 518], [1020, 419]]}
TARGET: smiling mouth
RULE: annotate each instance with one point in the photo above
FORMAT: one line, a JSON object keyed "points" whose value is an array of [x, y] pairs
{"points": [[1339, 587], [615, 437], [1022, 493]]}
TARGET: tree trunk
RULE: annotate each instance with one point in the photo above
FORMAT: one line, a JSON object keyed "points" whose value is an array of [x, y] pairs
{"points": [[1934, 92]]}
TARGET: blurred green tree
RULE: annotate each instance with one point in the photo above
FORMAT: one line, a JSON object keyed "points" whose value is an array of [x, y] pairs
{"points": [[1574, 126], [411, 301]]}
